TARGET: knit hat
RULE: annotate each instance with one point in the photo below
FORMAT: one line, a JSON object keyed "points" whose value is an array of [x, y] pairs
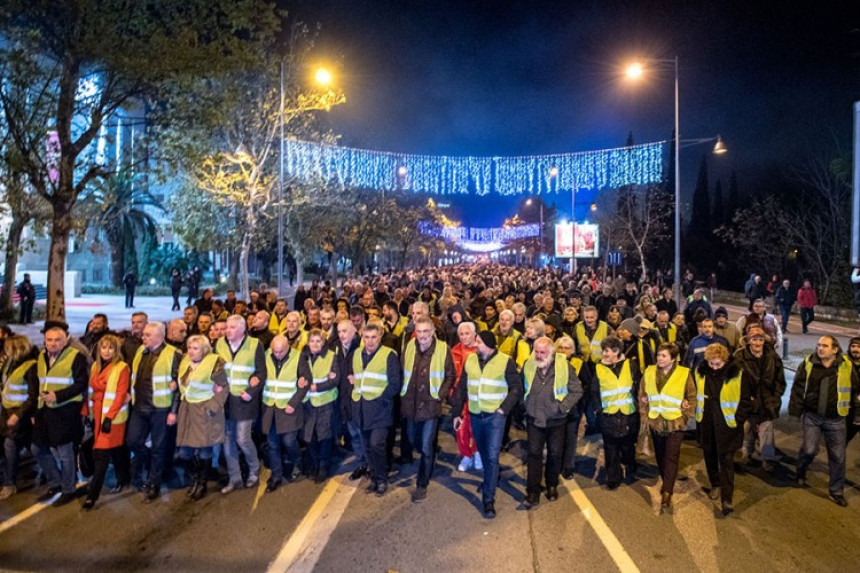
{"points": [[755, 331], [721, 311], [488, 338], [631, 325], [49, 324]]}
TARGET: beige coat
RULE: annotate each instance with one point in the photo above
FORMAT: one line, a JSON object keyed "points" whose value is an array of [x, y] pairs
{"points": [[201, 425]]}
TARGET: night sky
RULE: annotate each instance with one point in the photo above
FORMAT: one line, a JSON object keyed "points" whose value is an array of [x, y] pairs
{"points": [[776, 80]]}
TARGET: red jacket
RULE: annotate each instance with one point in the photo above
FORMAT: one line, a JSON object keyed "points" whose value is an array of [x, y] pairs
{"points": [[806, 297], [459, 354]]}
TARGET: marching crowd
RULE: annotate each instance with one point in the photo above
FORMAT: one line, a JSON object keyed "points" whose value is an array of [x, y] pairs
{"points": [[377, 364]]}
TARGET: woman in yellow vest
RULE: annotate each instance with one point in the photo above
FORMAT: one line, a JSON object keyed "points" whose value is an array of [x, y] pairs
{"points": [[108, 408], [667, 398], [567, 346], [320, 369], [19, 388], [615, 389], [203, 388], [723, 399]]}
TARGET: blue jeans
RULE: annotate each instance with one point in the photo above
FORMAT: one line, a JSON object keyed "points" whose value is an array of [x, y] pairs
{"points": [[238, 437], [10, 462], [63, 475], [488, 430], [290, 441], [835, 432], [357, 445], [188, 453], [422, 436], [150, 423], [785, 312]]}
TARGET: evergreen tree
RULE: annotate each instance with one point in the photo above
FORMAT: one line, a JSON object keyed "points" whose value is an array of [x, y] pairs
{"points": [[734, 198], [701, 214], [719, 215]]}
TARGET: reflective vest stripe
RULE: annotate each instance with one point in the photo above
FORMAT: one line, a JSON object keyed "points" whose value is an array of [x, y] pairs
{"points": [[591, 348], [320, 370], [162, 372], [613, 386], [281, 386], [730, 395], [60, 376], [666, 404], [370, 381], [110, 393], [561, 376], [483, 382], [239, 367], [15, 392], [199, 386]]}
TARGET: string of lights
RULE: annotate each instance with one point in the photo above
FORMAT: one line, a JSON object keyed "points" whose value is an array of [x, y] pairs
{"points": [[444, 175], [483, 235]]}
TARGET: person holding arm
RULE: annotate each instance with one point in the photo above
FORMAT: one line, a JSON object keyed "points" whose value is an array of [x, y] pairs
{"points": [[108, 409], [318, 367], [667, 397], [19, 389], [492, 387], [203, 387]]}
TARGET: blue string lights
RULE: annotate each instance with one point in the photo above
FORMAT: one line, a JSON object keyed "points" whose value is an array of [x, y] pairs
{"points": [[478, 239], [443, 175]]}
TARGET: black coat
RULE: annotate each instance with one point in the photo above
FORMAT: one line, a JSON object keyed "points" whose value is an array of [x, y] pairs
{"points": [[376, 414], [58, 426], [766, 379]]}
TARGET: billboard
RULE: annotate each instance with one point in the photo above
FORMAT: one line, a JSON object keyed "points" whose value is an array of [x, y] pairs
{"points": [[585, 236]]}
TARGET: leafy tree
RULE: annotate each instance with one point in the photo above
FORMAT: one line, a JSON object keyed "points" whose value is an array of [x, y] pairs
{"points": [[85, 59], [119, 204]]}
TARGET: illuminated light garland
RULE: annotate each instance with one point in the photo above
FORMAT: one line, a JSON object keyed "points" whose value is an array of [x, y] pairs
{"points": [[492, 234], [443, 175]]}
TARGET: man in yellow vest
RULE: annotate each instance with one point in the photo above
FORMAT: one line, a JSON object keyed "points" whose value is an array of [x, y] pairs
{"points": [[428, 375], [375, 377], [283, 415], [552, 389], [509, 340], [155, 400], [492, 387], [245, 366], [278, 320], [63, 381], [824, 387], [590, 332]]}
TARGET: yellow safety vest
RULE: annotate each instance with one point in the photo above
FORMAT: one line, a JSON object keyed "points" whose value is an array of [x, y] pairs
{"points": [[616, 392], [15, 390], [399, 326], [239, 368], [487, 387], [58, 377], [591, 348], [280, 387], [668, 402], [162, 372], [437, 367], [576, 362], [370, 382], [110, 393], [320, 371], [843, 384], [671, 333], [513, 345], [198, 387], [730, 396], [277, 325], [299, 341], [560, 380]]}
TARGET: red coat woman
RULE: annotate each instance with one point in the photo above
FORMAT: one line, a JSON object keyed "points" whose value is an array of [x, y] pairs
{"points": [[108, 405]]}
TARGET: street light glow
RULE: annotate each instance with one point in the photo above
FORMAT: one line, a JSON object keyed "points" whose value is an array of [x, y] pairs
{"points": [[401, 171], [553, 171], [528, 202], [323, 76], [634, 71]]}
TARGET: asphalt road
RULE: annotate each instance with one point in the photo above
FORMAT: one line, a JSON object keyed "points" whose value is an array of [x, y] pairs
{"points": [[337, 527]]}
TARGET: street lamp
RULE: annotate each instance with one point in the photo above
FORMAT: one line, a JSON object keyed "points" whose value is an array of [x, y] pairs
{"points": [[529, 202], [634, 72]]}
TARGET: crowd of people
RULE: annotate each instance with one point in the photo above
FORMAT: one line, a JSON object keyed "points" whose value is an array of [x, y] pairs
{"points": [[373, 367]]}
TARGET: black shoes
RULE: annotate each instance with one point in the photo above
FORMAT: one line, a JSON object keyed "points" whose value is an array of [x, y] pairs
{"points": [[152, 493], [839, 500], [727, 508], [567, 473], [403, 460], [320, 476], [89, 504], [119, 488], [801, 481], [273, 484], [489, 510], [612, 485], [358, 473], [49, 493], [714, 494], [552, 493], [419, 495], [381, 487], [532, 499], [63, 499]]}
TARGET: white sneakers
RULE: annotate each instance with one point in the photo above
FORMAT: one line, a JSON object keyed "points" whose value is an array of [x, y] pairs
{"points": [[465, 464], [478, 464]]}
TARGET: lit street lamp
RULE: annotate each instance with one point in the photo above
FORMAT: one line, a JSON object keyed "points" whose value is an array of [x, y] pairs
{"points": [[635, 71]]}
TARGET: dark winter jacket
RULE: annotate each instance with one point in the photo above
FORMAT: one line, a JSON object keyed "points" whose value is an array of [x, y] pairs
{"points": [[714, 381], [766, 378]]}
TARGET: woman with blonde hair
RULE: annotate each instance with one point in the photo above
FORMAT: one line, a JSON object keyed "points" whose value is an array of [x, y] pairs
{"points": [[108, 408], [19, 388], [200, 424]]}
